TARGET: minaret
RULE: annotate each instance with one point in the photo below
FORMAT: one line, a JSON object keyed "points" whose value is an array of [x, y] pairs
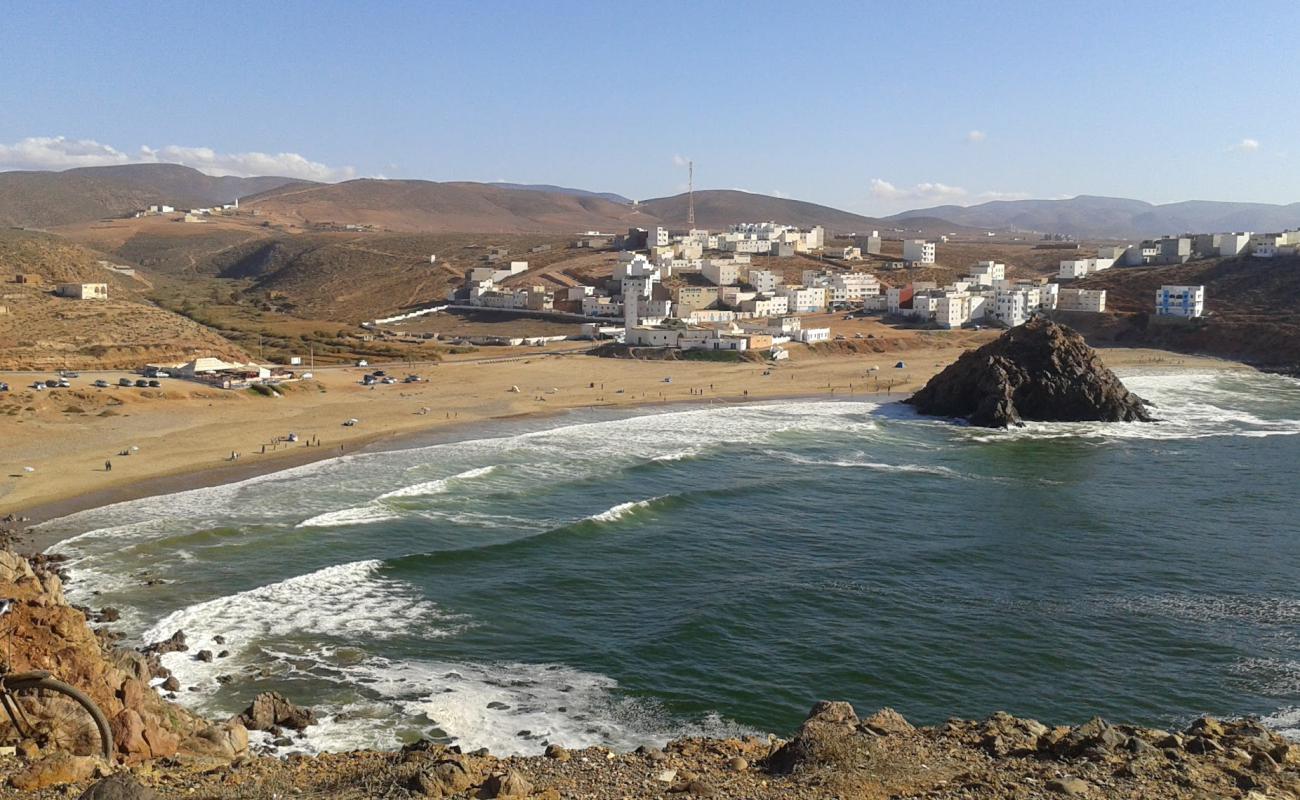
{"points": [[690, 195]]}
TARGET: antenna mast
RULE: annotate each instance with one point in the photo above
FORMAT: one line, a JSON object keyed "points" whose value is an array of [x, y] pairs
{"points": [[690, 194]]}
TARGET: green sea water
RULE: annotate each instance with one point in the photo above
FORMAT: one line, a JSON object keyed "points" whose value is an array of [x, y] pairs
{"points": [[622, 578]]}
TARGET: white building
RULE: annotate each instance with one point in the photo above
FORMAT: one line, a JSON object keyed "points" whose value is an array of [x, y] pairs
{"points": [[721, 273], [918, 251], [1233, 244], [804, 299], [766, 306], [1093, 300], [764, 281], [601, 307], [83, 291], [952, 310], [988, 273], [852, 287], [1180, 301], [1079, 267], [657, 237]]}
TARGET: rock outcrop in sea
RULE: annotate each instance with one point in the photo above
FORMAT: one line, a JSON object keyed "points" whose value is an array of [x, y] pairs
{"points": [[1038, 371]]}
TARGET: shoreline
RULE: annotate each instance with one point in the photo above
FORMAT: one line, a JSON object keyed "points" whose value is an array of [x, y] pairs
{"points": [[379, 442], [824, 378]]}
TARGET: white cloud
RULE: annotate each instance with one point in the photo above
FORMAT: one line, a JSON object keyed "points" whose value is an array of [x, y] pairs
{"points": [[1246, 146], [205, 159], [59, 153], [976, 136], [931, 193], [680, 160]]}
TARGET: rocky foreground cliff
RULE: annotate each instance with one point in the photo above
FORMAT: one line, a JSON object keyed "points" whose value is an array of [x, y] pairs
{"points": [[164, 751], [1037, 371]]}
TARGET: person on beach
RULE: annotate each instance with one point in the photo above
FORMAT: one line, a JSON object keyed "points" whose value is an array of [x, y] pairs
{"points": [[108, 466]]}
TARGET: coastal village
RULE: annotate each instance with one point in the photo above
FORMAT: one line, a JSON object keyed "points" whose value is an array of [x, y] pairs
{"points": [[752, 288]]}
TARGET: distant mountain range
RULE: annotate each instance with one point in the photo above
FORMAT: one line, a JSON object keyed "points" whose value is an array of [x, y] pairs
{"points": [[48, 199], [427, 206], [1115, 217]]}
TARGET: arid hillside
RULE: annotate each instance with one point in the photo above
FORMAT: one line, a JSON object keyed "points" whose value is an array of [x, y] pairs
{"points": [[425, 206], [42, 331], [1252, 310], [48, 199]]}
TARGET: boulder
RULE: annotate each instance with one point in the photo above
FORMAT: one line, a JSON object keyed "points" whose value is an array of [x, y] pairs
{"points": [[887, 721], [509, 784], [118, 787], [1038, 371], [451, 775], [270, 709], [56, 769], [827, 738]]}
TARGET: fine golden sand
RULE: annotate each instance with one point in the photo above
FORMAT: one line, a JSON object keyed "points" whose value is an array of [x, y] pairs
{"points": [[186, 432]]}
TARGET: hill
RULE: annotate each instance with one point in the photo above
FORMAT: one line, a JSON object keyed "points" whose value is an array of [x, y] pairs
{"points": [[716, 209], [48, 199], [42, 331], [546, 187], [1115, 217], [1252, 310], [426, 206], [430, 207]]}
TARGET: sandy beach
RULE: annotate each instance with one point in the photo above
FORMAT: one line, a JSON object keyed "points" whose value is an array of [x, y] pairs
{"points": [[184, 434]]}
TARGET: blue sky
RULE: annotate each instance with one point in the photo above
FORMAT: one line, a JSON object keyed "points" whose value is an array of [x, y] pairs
{"points": [[869, 106]]}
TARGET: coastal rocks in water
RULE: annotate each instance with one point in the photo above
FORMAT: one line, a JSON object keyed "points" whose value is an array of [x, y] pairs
{"points": [[172, 644], [270, 710], [1038, 371]]}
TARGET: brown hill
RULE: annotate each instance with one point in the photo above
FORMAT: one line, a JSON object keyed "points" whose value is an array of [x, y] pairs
{"points": [[356, 277], [1252, 310], [42, 331], [425, 206], [47, 199], [716, 209]]}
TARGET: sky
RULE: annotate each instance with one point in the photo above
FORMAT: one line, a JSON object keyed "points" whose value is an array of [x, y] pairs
{"points": [[873, 107]]}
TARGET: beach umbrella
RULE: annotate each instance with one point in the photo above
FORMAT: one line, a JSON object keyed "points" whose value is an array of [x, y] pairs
{"points": [[29, 469]]}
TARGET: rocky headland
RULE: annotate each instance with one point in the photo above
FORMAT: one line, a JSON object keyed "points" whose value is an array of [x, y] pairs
{"points": [[1038, 371], [164, 751]]}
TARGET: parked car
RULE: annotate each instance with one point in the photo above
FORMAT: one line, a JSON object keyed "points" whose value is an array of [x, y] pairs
{"points": [[153, 372], [388, 379], [4, 387], [123, 381], [349, 423], [379, 373], [411, 379], [69, 374], [307, 376], [101, 384], [64, 383], [361, 362], [51, 384], [155, 383], [142, 383]]}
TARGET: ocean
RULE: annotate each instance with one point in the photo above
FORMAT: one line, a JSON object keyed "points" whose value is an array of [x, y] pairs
{"points": [[621, 578]]}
